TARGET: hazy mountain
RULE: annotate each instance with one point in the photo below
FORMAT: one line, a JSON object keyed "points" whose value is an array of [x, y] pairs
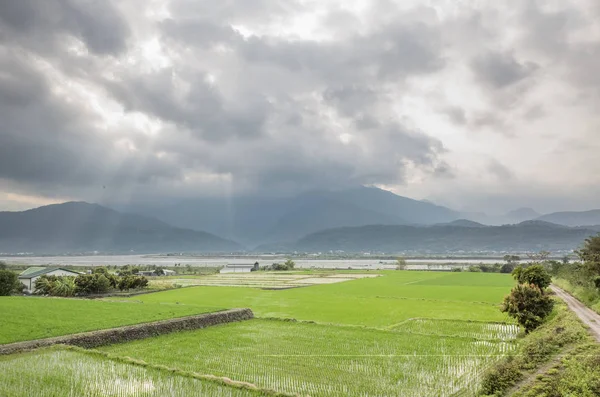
{"points": [[83, 227], [325, 214], [521, 214], [526, 236], [462, 223], [255, 220], [573, 218]]}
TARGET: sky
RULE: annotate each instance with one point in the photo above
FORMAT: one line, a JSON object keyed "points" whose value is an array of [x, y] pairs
{"points": [[474, 104]]}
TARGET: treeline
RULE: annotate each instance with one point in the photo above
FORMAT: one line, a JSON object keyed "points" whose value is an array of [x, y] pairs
{"points": [[582, 279], [100, 281]]}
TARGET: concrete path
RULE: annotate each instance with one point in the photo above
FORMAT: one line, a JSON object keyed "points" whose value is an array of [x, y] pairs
{"points": [[585, 314]]}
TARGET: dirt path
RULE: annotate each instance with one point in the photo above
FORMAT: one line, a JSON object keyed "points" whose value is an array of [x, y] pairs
{"points": [[585, 314]]}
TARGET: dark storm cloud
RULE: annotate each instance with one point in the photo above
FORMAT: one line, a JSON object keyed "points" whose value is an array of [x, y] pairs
{"points": [[43, 23], [201, 109], [229, 93], [47, 141]]}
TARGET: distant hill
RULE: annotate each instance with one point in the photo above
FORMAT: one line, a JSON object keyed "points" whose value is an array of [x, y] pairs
{"points": [[526, 236], [81, 227], [257, 220], [463, 223], [573, 218], [521, 214]]}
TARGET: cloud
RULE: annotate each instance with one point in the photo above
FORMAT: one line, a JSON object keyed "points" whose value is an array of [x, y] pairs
{"points": [[45, 23], [501, 70], [182, 98]]}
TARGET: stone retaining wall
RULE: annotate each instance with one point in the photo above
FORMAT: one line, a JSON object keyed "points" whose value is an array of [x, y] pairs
{"points": [[132, 332]]}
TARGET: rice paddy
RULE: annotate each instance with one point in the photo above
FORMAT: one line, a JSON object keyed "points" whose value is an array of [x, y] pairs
{"points": [[320, 360], [383, 301], [27, 318], [58, 373], [265, 280], [401, 333]]}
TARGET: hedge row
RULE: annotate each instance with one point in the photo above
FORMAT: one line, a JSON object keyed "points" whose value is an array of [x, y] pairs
{"points": [[133, 332]]}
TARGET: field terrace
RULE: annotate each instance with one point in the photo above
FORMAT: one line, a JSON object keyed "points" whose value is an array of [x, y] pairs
{"points": [[403, 333]]}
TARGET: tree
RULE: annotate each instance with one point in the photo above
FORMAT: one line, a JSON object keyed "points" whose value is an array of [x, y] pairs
{"points": [[112, 279], [512, 259], [507, 268], [528, 304], [3, 265], [132, 282], [290, 264], [534, 274], [159, 272], [400, 263], [590, 255], [9, 283], [538, 257], [92, 283]]}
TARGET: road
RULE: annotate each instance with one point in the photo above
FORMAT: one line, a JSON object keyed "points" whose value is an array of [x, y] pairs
{"points": [[587, 315]]}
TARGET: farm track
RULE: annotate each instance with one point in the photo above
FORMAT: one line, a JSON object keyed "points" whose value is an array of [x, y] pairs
{"points": [[585, 314], [529, 379]]}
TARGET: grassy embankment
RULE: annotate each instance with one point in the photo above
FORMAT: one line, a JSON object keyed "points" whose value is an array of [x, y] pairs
{"points": [[589, 296], [558, 359]]}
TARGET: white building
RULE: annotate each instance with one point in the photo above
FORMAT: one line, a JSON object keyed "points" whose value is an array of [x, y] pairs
{"points": [[29, 276], [239, 268]]}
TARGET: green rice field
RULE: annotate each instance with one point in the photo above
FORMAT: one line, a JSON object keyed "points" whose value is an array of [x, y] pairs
{"points": [[379, 302], [57, 373], [399, 334], [27, 318], [320, 360]]}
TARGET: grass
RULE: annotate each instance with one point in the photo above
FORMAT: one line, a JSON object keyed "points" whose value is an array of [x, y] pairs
{"points": [[324, 360], [589, 296], [58, 373], [395, 297], [459, 329], [27, 318], [562, 331]]}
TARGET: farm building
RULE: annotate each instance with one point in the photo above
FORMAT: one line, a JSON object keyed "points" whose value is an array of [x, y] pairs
{"points": [[152, 273], [239, 268], [30, 275]]}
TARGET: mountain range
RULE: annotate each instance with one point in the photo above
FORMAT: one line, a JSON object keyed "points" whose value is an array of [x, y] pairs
{"points": [[254, 220], [455, 237], [354, 219], [79, 227]]}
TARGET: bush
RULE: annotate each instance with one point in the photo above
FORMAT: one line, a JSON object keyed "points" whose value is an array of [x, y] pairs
{"points": [[96, 283], [457, 269], [55, 286], [9, 283], [475, 269], [501, 377], [528, 305], [507, 268], [534, 274], [288, 265], [132, 282]]}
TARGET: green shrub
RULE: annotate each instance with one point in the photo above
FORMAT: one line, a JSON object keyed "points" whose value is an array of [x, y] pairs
{"points": [[132, 282], [534, 274], [9, 283], [528, 305], [501, 377], [96, 283]]}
